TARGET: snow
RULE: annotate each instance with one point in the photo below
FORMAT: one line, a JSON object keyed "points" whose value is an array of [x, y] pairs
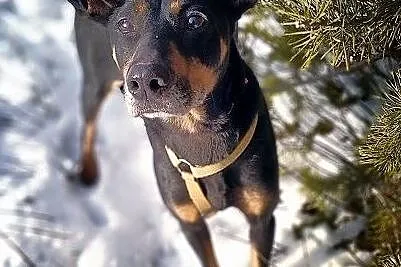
{"points": [[123, 221]]}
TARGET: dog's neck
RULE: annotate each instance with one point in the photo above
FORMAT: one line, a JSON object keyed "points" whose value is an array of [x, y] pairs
{"points": [[210, 132]]}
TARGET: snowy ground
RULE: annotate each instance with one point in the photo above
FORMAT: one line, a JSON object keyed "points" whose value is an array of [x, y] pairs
{"points": [[123, 221]]}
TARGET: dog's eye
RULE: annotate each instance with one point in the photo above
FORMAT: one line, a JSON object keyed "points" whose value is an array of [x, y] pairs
{"points": [[196, 19], [124, 26]]}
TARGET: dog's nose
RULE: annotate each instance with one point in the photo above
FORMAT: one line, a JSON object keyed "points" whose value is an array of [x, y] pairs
{"points": [[146, 80]]}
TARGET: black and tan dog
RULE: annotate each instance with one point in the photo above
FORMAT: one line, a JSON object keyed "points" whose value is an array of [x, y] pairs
{"points": [[203, 109]]}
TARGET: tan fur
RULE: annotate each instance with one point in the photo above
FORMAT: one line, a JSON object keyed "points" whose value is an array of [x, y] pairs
{"points": [[187, 212], [200, 77], [189, 122], [88, 161], [210, 257], [254, 201], [141, 7], [175, 7], [89, 138], [255, 261]]}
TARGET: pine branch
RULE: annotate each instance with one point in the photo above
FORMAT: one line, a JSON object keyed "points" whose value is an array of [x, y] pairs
{"points": [[382, 148], [342, 32]]}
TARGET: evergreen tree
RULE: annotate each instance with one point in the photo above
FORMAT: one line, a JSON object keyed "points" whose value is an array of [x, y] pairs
{"points": [[331, 112]]}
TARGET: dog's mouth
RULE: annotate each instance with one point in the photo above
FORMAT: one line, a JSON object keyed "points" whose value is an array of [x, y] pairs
{"points": [[160, 108], [175, 101], [155, 115]]}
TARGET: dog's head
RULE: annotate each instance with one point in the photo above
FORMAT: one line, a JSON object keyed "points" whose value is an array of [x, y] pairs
{"points": [[172, 53]]}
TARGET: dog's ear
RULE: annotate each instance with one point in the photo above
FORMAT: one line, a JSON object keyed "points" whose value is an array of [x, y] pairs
{"points": [[96, 8], [238, 7]]}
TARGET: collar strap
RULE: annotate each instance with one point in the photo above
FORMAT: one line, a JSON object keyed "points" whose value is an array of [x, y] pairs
{"points": [[208, 170]]}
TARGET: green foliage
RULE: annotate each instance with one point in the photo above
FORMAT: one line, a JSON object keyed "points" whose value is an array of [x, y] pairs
{"points": [[341, 31]]}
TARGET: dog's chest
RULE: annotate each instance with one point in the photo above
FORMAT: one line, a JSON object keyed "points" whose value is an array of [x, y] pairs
{"points": [[201, 148]]}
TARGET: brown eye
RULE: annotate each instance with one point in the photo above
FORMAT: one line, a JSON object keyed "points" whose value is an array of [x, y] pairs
{"points": [[196, 20], [124, 26]]}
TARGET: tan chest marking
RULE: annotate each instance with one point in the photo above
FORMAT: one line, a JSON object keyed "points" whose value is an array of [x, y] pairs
{"points": [[189, 122]]}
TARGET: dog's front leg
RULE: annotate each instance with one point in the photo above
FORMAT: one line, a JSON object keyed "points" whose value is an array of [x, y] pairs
{"points": [[261, 236], [175, 196], [101, 76], [92, 99], [257, 205], [196, 232]]}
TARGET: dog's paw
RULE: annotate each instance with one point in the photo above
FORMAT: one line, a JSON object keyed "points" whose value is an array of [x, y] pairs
{"points": [[82, 176]]}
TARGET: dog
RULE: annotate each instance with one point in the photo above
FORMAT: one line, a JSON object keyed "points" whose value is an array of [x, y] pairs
{"points": [[178, 68]]}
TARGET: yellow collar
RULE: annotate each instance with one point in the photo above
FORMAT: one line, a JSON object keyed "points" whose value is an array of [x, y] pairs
{"points": [[208, 170]]}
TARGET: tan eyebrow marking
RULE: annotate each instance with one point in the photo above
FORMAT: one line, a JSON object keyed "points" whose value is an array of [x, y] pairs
{"points": [[175, 6], [141, 6]]}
